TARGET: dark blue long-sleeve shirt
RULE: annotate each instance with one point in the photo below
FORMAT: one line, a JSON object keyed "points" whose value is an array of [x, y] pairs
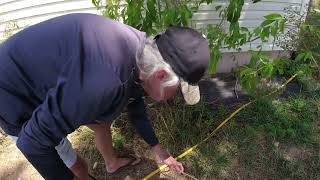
{"points": [[63, 73]]}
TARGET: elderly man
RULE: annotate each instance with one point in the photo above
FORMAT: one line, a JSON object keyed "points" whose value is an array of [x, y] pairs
{"points": [[84, 69]]}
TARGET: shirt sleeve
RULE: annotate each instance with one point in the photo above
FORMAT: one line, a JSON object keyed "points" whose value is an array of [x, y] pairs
{"points": [[82, 92], [138, 116]]}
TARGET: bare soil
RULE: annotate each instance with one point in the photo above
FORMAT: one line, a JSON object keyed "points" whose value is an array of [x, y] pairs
{"points": [[13, 165]]}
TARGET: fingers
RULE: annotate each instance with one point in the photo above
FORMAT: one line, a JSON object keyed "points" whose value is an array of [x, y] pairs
{"points": [[136, 160], [177, 167], [181, 168], [174, 165]]}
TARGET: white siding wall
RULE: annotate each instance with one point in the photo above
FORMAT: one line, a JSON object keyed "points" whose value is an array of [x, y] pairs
{"points": [[28, 12]]}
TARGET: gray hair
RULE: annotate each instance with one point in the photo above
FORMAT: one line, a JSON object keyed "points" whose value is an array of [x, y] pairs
{"points": [[151, 61]]}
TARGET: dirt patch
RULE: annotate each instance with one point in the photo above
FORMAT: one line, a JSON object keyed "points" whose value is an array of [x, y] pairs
{"points": [[292, 153], [13, 165], [233, 170], [83, 142]]}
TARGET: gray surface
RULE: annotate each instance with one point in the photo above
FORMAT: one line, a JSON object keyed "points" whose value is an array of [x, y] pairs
{"points": [[222, 89]]}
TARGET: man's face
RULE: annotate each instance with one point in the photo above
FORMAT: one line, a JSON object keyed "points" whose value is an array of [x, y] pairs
{"points": [[155, 89]]}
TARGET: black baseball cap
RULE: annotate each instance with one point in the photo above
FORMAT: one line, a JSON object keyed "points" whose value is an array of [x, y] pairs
{"points": [[187, 52]]}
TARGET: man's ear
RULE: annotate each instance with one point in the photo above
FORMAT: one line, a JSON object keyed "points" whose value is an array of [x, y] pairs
{"points": [[161, 74]]}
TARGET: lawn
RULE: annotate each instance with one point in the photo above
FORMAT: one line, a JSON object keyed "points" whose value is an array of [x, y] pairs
{"points": [[275, 139]]}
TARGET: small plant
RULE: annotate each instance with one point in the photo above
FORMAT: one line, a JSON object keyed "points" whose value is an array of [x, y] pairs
{"points": [[117, 141]]}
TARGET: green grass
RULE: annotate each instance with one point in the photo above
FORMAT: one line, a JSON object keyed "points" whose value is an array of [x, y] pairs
{"points": [[285, 121], [246, 146]]}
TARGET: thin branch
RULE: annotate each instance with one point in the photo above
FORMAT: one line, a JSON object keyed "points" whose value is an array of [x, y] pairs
{"points": [[246, 42]]}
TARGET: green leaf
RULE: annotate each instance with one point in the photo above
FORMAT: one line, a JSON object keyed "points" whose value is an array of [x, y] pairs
{"points": [[300, 57], [268, 69], [282, 25], [151, 8], [273, 16], [218, 7], [96, 3], [244, 71], [255, 1], [234, 10], [254, 59], [248, 78], [281, 71], [134, 13], [280, 65], [169, 17], [215, 55], [265, 34], [274, 30], [266, 22], [222, 14], [206, 1], [185, 15], [308, 56], [257, 31], [244, 29]]}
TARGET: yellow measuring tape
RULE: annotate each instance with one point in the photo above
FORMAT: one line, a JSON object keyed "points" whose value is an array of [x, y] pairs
{"points": [[214, 131]]}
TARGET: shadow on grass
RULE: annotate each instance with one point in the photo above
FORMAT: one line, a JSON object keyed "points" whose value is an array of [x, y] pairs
{"points": [[223, 89]]}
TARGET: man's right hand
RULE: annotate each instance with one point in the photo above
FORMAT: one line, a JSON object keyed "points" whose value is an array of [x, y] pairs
{"points": [[168, 159], [174, 165], [80, 169]]}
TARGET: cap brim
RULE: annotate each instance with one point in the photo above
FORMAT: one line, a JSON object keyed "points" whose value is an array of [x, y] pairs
{"points": [[191, 94]]}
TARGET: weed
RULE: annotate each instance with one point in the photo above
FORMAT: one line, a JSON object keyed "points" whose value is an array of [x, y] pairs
{"points": [[118, 140]]}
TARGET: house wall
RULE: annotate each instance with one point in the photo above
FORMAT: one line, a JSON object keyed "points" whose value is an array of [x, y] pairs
{"points": [[28, 12]]}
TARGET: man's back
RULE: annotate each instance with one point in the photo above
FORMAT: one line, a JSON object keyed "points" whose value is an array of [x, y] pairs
{"points": [[39, 53], [76, 51]]}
